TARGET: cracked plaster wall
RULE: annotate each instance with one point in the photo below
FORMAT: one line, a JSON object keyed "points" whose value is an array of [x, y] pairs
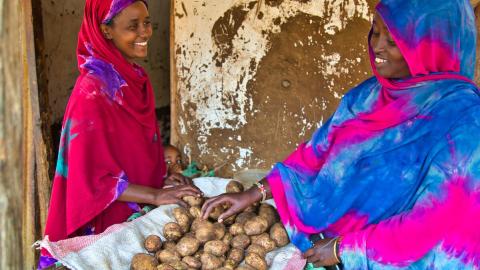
{"points": [[253, 79]]}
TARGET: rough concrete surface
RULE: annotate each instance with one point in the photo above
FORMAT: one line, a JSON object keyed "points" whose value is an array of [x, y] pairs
{"points": [[254, 79]]}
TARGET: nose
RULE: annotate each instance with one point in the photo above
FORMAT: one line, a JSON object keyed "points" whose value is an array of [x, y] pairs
{"points": [[144, 31], [378, 43]]}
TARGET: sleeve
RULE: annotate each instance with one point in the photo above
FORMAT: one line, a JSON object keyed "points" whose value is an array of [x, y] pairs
{"points": [[442, 223]]}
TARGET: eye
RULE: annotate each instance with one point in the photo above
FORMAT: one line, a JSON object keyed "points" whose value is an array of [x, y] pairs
{"points": [[147, 23], [391, 42], [133, 27]]}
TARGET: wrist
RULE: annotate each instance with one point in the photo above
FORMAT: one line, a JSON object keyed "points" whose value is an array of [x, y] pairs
{"points": [[254, 194], [154, 197]]}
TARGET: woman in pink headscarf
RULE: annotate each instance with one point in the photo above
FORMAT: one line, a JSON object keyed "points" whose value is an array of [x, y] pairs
{"points": [[110, 158]]}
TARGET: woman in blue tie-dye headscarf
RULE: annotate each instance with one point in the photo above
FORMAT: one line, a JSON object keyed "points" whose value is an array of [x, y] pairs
{"points": [[393, 178]]}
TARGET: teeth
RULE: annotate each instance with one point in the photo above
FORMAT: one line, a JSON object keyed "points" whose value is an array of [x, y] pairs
{"points": [[380, 60], [141, 43]]}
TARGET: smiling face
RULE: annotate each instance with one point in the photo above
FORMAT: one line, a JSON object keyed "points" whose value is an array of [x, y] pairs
{"points": [[389, 61], [130, 31]]}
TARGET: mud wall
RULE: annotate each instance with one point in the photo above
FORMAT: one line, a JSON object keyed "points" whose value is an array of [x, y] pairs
{"points": [[254, 79], [61, 21]]}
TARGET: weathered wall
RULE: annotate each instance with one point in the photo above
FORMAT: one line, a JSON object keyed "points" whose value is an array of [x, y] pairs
{"points": [[253, 79], [61, 23]]}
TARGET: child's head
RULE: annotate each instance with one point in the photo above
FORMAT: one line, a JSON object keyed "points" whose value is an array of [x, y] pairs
{"points": [[173, 158]]}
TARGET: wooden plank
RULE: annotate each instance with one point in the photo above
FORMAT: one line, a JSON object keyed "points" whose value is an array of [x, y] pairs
{"points": [[29, 82], [11, 115], [35, 164], [174, 101]]}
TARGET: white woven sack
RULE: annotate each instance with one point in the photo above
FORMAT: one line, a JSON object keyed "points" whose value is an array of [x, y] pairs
{"points": [[114, 248]]}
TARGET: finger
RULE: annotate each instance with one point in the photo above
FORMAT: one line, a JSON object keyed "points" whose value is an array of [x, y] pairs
{"points": [[308, 253], [186, 192], [315, 258], [182, 203], [211, 204], [230, 212], [192, 188], [177, 178]]}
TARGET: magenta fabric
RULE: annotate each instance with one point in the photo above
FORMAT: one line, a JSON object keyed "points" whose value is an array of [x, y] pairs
{"points": [[109, 135], [395, 170]]}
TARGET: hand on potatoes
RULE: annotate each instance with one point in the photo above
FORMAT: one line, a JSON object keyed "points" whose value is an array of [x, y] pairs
{"points": [[173, 195], [237, 202]]}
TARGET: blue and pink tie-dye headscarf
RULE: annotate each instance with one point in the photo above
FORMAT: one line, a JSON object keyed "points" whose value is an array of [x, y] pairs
{"points": [[396, 170]]}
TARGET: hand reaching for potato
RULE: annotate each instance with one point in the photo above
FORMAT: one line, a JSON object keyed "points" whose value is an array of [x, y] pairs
{"points": [[174, 195], [237, 199]]}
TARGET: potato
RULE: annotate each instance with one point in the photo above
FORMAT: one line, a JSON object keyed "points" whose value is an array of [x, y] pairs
{"points": [[269, 213], [254, 248], [254, 260], [240, 241], [143, 261], [230, 264], [216, 247], [234, 187], [153, 243], [244, 267], [172, 231], [236, 229], [279, 235], [193, 201], [195, 211], [216, 212], [183, 218], [165, 266], [170, 245], [227, 239], [244, 216], [210, 261], [219, 230], [187, 246], [230, 220], [264, 241], [192, 262], [236, 255], [198, 254], [168, 256], [196, 222], [179, 265], [205, 231], [255, 226]]}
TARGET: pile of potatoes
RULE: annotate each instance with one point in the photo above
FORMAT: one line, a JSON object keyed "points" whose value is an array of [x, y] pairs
{"points": [[192, 243]]}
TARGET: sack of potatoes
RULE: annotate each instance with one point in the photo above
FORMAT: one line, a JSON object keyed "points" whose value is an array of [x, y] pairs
{"points": [[192, 243]]}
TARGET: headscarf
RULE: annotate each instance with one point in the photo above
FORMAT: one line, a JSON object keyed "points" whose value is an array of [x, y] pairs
{"points": [[393, 170], [110, 137]]}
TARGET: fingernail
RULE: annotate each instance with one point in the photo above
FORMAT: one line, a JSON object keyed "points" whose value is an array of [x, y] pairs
{"points": [[220, 220]]}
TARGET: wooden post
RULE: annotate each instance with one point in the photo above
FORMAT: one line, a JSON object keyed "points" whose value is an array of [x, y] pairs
{"points": [[36, 184], [174, 136], [11, 141], [24, 188]]}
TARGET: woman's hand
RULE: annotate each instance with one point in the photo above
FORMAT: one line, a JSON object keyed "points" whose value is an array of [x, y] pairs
{"points": [[237, 202], [322, 253], [174, 195], [176, 179]]}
